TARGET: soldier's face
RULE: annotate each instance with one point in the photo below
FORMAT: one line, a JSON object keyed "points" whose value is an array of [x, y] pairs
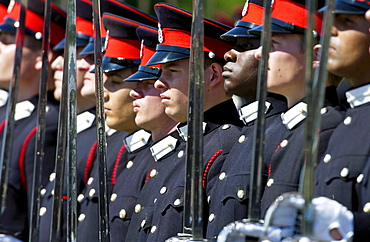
{"points": [[286, 66], [173, 85], [7, 54], [150, 113], [57, 67], [118, 103], [349, 48], [85, 65], [241, 69]]}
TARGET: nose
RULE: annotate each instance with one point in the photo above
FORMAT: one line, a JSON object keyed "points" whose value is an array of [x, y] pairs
{"points": [[57, 64], [136, 93], [258, 53], [230, 56], [83, 65], [160, 84]]}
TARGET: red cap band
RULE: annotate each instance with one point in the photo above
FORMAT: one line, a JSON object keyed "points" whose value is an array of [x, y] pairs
{"points": [[294, 13], [130, 48], [254, 14]]}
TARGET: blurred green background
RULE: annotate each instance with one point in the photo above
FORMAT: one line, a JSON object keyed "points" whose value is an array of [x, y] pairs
{"points": [[225, 11]]}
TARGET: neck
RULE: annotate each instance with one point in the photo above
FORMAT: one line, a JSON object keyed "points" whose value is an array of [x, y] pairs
{"points": [[84, 104], [165, 130]]}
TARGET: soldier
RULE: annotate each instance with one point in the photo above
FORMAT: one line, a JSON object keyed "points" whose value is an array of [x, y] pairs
{"points": [[290, 151], [343, 172], [14, 220], [150, 116], [159, 209], [117, 65], [85, 109], [228, 197], [3, 86]]}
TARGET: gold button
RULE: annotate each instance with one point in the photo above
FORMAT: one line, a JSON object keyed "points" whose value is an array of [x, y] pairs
{"points": [[129, 164], [222, 176], [137, 208], [89, 182], [43, 192], [180, 154], [81, 217], [163, 190], [155, 200], [240, 194], [211, 217], [324, 110], [209, 199], [122, 213], [177, 202], [153, 173], [153, 229], [52, 192], [270, 182], [347, 121], [80, 198], [52, 177], [367, 207], [241, 139], [42, 211], [143, 223], [327, 158], [92, 192], [344, 172], [113, 197], [359, 178], [284, 143]]}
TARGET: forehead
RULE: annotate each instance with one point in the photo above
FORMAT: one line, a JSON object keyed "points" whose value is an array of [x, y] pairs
{"points": [[180, 63]]}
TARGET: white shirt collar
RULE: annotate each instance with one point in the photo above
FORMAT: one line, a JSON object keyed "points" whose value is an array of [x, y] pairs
{"points": [[84, 121], [109, 131], [137, 140], [23, 110], [294, 115], [3, 97], [183, 131], [163, 147], [249, 112], [358, 96]]}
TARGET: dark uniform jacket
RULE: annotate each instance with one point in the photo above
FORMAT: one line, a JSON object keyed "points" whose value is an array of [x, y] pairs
{"points": [[343, 173], [159, 210], [15, 219], [121, 156], [228, 197], [129, 183], [86, 137], [287, 161]]}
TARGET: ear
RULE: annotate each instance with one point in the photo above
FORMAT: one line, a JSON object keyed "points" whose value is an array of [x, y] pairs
{"points": [[38, 64], [215, 70], [316, 50]]}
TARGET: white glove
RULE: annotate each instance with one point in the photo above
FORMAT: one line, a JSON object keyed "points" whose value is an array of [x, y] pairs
{"points": [[253, 230], [330, 214]]}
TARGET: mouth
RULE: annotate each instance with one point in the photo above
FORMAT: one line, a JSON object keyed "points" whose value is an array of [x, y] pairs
{"points": [[136, 107]]}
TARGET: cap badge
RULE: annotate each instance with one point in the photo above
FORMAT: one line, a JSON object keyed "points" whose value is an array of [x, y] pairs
{"points": [[160, 34], [245, 9], [106, 40], [141, 48]]}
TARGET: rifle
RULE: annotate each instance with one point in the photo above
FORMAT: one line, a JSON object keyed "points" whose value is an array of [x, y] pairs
{"points": [[101, 149], [41, 128], [66, 145], [193, 206], [315, 92], [6, 152]]}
